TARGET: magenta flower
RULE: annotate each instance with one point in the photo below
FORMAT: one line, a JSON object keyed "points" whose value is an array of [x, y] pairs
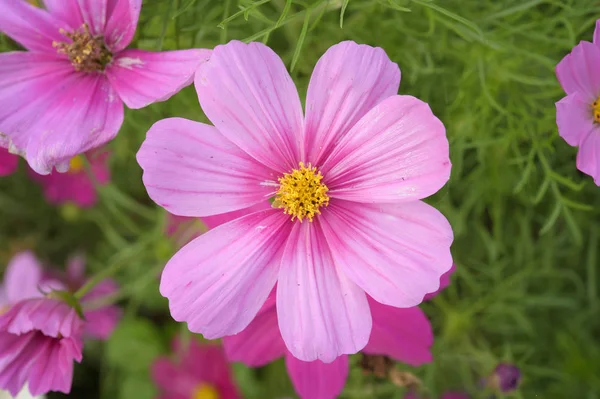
{"points": [[75, 185], [65, 95], [8, 162], [578, 114], [201, 372], [347, 178], [40, 337], [402, 334]]}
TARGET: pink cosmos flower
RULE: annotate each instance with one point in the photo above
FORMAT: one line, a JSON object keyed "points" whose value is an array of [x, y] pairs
{"points": [[578, 114], [65, 95], [402, 334], [202, 372], [75, 185], [40, 337], [347, 177], [8, 162]]}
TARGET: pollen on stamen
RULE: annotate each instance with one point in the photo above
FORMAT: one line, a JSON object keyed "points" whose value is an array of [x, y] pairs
{"points": [[596, 110], [301, 193], [87, 52]]}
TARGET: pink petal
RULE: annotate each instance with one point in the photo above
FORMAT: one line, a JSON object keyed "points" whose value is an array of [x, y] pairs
{"points": [[172, 379], [65, 10], [317, 380], [213, 221], [94, 12], [52, 113], [347, 82], [8, 162], [574, 118], [397, 152], [22, 277], [246, 92], [142, 77], [122, 23], [444, 282], [31, 26], [207, 363], [577, 71], [396, 253], [218, 282], [190, 169], [588, 156], [101, 322], [52, 317], [597, 33], [402, 334], [322, 314], [260, 343], [75, 271]]}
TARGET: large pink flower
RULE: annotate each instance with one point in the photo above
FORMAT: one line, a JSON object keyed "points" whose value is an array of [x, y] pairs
{"points": [[75, 185], [578, 114], [65, 95], [402, 334], [200, 372], [8, 162], [348, 178], [40, 337]]}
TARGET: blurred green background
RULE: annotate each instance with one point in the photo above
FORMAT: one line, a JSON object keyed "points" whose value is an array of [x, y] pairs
{"points": [[526, 222]]}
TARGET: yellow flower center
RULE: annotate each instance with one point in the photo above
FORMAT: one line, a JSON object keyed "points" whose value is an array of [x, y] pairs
{"points": [[87, 52], [76, 164], [596, 110], [301, 193], [205, 391]]}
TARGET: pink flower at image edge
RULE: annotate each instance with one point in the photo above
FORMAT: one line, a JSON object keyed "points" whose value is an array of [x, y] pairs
{"points": [[578, 114], [200, 367], [378, 153], [56, 102]]}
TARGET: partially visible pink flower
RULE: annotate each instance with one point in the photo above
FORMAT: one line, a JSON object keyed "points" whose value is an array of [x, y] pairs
{"points": [[65, 95], [402, 334], [40, 337], [348, 177], [198, 371], [578, 114], [100, 321], [75, 185], [8, 162]]}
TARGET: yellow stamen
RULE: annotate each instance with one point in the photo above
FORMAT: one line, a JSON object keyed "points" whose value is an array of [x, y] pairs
{"points": [[301, 193], [87, 52], [76, 164], [596, 110], [205, 391]]}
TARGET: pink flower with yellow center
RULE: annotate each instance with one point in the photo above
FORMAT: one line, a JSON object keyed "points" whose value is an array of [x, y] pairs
{"points": [[347, 179], [199, 371], [76, 185], [65, 95], [578, 114]]}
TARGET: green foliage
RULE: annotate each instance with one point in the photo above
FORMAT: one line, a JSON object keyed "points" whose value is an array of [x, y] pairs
{"points": [[526, 222]]}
